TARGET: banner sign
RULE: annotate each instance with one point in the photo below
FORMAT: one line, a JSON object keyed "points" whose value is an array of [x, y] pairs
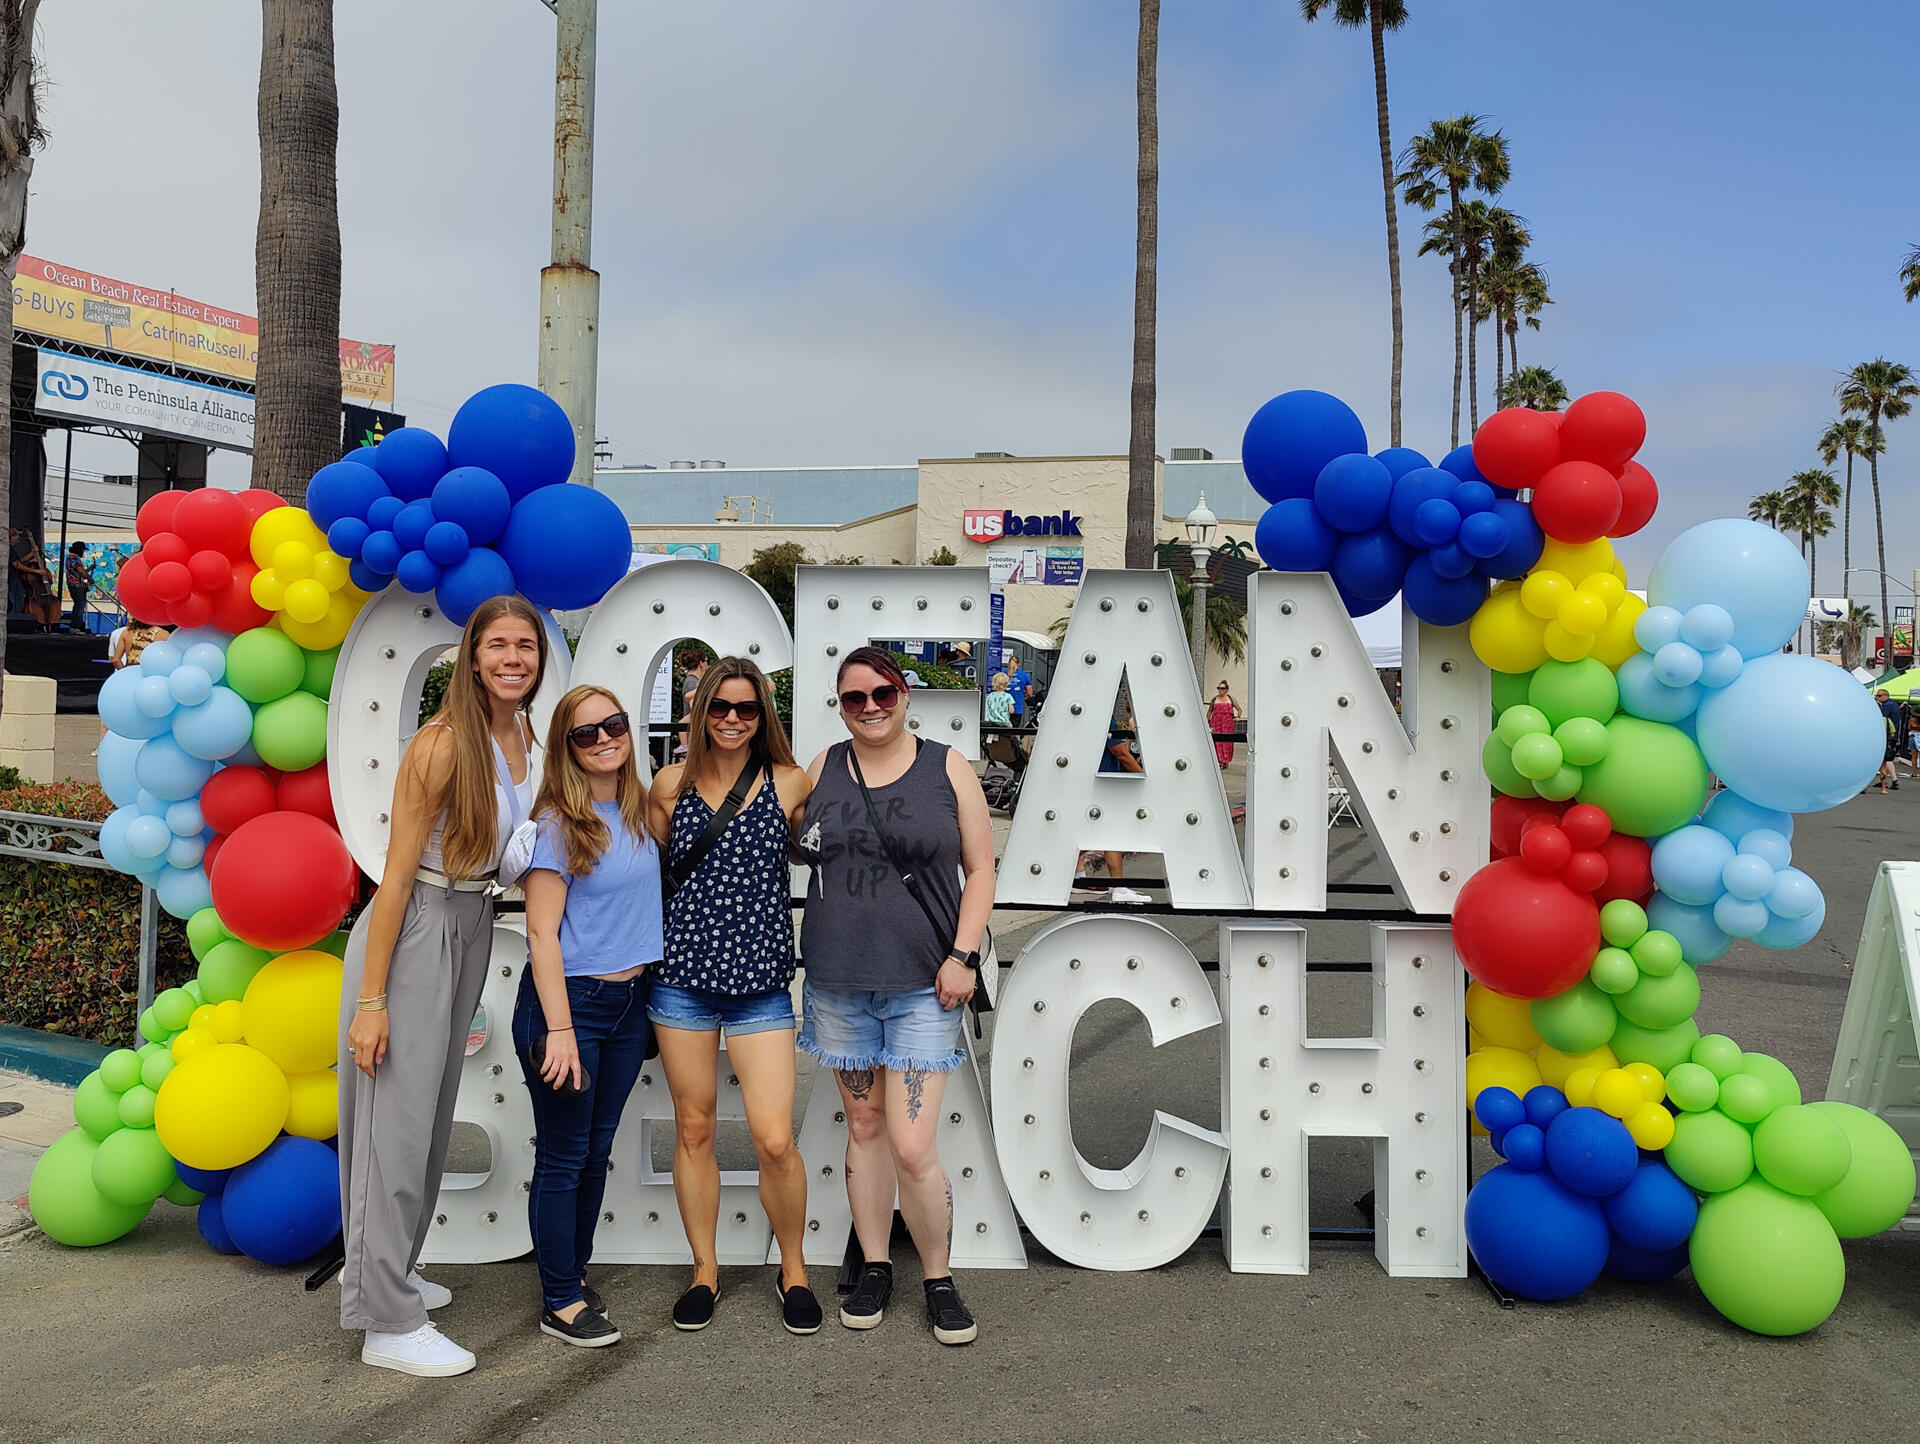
{"points": [[73, 305], [73, 389], [1035, 566], [366, 426]]}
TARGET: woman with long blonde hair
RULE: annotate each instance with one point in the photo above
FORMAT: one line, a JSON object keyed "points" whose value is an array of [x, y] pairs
{"points": [[414, 970], [580, 1026]]}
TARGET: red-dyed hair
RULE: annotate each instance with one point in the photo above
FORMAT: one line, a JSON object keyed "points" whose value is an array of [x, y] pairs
{"points": [[883, 662]]}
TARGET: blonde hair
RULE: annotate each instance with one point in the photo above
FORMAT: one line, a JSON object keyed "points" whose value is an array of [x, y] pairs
{"points": [[769, 743], [1001, 681], [472, 820], [564, 797]]}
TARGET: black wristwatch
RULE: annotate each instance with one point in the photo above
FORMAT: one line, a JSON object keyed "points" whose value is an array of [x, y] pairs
{"points": [[967, 960]]}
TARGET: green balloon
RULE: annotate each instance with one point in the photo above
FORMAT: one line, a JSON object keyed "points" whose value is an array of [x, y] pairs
{"points": [[172, 1008], [1657, 953], [1718, 1054], [133, 1167], [1768, 1261], [336, 944], [1783, 1087], [1879, 1186], [1522, 721], [1665, 1048], [1561, 786], [1510, 690], [192, 989], [1799, 1150], [154, 1070], [291, 734], [1613, 971], [1745, 1099], [264, 665], [1652, 781], [120, 1069], [1583, 740], [1577, 1021], [147, 1050], [150, 1027], [1693, 1088], [1623, 922], [96, 1107], [1657, 1002], [178, 1192], [1537, 756], [204, 929], [226, 971], [136, 1106], [319, 674], [1496, 760], [64, 1202], [1564, 690], [1710, 1152]]}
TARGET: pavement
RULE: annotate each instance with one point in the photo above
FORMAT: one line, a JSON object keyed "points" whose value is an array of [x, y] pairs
{"points": [[156, 1337]]}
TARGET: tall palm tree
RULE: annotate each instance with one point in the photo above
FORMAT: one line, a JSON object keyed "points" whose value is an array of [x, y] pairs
{"points": [[1536, 388], [1809, 494], [1768, 506], [1910, 274], [1449, 158], [297, 249], [20, 136], [1879, 390], [1844, 637], [1490, 292], [1379, 16], [1146, 247], [1848, 437], [1531, 296]]}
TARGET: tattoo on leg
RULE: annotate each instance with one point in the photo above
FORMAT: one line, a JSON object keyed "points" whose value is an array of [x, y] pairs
{"points": [[859, 1082], [949, 1213], [916, 1092]]}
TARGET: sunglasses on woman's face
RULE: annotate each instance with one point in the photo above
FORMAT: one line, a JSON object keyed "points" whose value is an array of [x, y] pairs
{"points": [[748, 711], [886, 697], [614, 724]]}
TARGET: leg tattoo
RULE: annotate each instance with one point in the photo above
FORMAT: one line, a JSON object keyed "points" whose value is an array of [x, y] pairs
{"points": [[916, 1092], [859, 1082], [949, 1215]]}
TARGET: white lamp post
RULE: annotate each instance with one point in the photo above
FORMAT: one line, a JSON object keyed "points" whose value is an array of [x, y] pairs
{"points": [[1200, 525]]}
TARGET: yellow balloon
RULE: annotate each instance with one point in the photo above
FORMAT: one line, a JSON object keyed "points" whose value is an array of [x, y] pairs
{"points": [[1575, 561], [221, 1106], [331, 630], [1617, 1091], [1653, 1083], [1556, 1067], [193, 1040], [1505, 635], [307, 601], [330, 570], [313, 1108], [1651, 1126], [1502, 1021], [293, 560], [1615, 642], [1474, 1041], [1564, 646], [1580, 1085], [1500, 1068], [229, 1024], [202, 1017], [1582, 613], [1543, 591], [268, 590], [282, 524], [1607, 587], [292, 1010]]}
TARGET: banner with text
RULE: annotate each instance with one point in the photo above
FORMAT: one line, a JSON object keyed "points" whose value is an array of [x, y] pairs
{"points": [[73, 389]]}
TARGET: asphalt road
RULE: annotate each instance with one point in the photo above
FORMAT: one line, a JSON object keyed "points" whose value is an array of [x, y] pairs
{"points": [[157, 1338]]}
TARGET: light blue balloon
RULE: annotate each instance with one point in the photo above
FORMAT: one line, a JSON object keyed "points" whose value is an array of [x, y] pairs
{"points": [[1677, 664], [1733, 817], [1721, 667], [148, 805], [160, 658], [1688, 863], [1656, 627], [147, 837], [115, 765], [1749, 569], [113, 840], [168, 771], [209, 657], [182, 891], [1794, 894], [1765, 843], [153, 698], [217, 728], [185, 852], [1700, 937], [184, 819], [189, 684], [1739, 917], [1792, 733], [120, 711], [1747, 877], [1644, 695], [187, 638], [1784, 932], [1707, 628]]}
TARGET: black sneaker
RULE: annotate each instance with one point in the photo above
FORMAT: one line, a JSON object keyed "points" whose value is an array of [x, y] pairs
{"points": [[589, 1329], [694, 1309], [952, 1324], [867, 1304], [799, 1309], [594, 1301]]}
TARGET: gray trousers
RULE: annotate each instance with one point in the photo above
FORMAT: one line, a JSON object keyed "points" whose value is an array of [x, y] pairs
{"points": [[394, 1126]]}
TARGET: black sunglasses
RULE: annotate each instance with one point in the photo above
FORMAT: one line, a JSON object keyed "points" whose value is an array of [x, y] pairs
{"points": [[886, 697], [614, 724], [748, 711]]}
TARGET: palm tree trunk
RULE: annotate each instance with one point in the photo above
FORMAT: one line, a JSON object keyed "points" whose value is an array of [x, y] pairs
{"points": [[1880, 533], [1846, 528], [1513, 345], [19, 135], [1499, 357], [1458, 349], [1393, 217], [297, 249], [1140, 507], [1813, 585], [1473, 345]]}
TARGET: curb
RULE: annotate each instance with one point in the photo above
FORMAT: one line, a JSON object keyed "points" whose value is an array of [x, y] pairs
{"points": [[50, 1057]]}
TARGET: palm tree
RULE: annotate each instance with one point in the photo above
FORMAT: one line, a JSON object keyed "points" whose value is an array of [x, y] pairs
{"points": [[1146, 246], [1768, 506], [1449, 158], [1491, 292], [1531, 297], [20, 136], [1379, 16], [1878, 389], [1910, 274], [1850, 438], [1844, 637], [1535, 387], [297, 249], [1809, 494]]}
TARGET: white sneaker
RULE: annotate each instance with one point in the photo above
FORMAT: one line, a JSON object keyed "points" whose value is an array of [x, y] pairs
{"points": [[1128, 895], [433, 1295], [425, 1352]]}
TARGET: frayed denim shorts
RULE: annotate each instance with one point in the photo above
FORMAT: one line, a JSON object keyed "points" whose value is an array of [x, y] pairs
{"points": [[863, 1029], [701, 1011]]}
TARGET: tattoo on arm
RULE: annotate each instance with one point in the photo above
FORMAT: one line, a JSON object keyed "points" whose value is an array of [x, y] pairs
{"points": [[916, 1092], [859, 1082]]}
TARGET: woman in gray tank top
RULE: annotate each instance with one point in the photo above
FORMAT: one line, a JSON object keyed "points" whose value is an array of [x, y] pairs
{"points": [[886, 983]]}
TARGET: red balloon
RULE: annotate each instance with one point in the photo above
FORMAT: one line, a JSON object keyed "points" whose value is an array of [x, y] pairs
{"points": [[214, 844], [1587, 826], [236, 795], [1515, 448], [1584, 871], [164, 547], [1603, 427], [1629, 869], [285, 883], [157, 515], [1520, 932], [170, 581], [1544, 848], [307, 792], [234, 609], [257, 501], [1510, 817], [213, 520], [1639, 495], [134, 585], [195, 609], [211, 570], [1576, 501]]}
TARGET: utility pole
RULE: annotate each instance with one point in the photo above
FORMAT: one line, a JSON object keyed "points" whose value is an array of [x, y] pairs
{"points": [[569, 286]]}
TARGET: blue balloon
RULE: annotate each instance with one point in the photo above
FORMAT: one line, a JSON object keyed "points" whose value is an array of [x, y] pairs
{"points": [[1677, 665], [1746, 876], [1442, 601], [284, 1206], [209, 657], [182, 892], [120, 709], [1644, 1266], [1483, 535], [113, 840], [146, 837], [1544, 1103], [1739, 917], [381, 555], [1792, 733], [1525, 541], [1657, 627], [466, 585], [1351, 492], [1459, 461], [381, 514], [1701, 940], [361, 455], [189, 685], [1525, 1147], [1791, 932], [1371, 565], [116, 766], [1360, 606], [366, 578], [1293, 537], [1768, 845], [1793, 894], [204, 1180], [185, 852], [1451, 562], [212, 1229], [153, 697], [1289, 441], [217, 728], [1721, 666], [1749, 569], [150, 805], [1591, 1152], [519, 434], [170, 772], [1499, 1109], [1436, 521], [346, 536], [1533, 1236], [1707, 627], [1733, 817], [1413, 490], [1399, 460], [184, 819], [1688, 863], [1655, 1211], [1473, 497], [410, 461], [341, 490], [417, 572], [567, 545], [475, 500], [411, 526], [1644, 695], [161, 658], [446, 544]]}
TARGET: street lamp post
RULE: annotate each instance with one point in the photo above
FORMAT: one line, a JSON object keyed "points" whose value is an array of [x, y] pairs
{"points": [[1200, 525]]}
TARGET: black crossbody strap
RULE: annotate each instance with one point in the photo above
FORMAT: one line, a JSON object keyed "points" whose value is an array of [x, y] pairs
{"points": [[679, 872]]}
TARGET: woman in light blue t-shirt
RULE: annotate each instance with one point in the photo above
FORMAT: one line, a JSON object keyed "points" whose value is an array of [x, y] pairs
{"points": [[580, 1025]]}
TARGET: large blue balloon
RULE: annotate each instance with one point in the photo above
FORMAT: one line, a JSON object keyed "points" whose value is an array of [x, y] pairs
{"points": [[467, 584], [1371, 565], [1399, 460], [182, 891], [116, 766], [1644, 1266], [1751, 570], [1293, 537], [475, 500], [519, 434], [1733, 817], [1791, 733], [1591, 1152], [212, 1229], [1687, 864], [284, 1206], [567, 545], [1412, 490], [218, 727], [1645, 696], [170, 772], [1655, 1211], [1290, 440], [1442, 601], [1701, 940], [1351, 492], [410, 461], [343, 489], [120, 711], [1533, 1236]]}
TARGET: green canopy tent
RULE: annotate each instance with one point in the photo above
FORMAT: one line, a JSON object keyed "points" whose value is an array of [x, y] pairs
{"points": [[1902, 687]]}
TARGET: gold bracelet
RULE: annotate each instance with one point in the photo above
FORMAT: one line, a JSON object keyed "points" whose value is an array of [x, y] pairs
{"points": [[371, 1005]]}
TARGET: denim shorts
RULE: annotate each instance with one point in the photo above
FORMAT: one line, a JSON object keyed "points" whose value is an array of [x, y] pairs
{"points": [[863, 1029], [699, 1011]]}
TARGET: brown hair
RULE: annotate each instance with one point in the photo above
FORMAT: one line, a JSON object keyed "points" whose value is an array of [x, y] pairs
{"points": [[883, 662], [769, 743], [472, 821], [564, 797]]}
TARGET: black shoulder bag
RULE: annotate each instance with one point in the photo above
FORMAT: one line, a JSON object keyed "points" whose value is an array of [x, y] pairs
{"points": [[673, 876], [982, 1001]]}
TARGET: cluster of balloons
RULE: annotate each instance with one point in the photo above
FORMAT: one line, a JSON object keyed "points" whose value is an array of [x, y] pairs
{"points": [[1382, 525], [1572, 603], [195, 567], [487, 513], [1578, 464], [1720, 888], [301, 582]]}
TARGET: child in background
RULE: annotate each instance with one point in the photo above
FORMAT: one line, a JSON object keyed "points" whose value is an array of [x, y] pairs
{"points": [[1000, 702]]}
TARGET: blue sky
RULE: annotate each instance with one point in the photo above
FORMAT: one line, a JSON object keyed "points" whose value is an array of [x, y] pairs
{"points": [[858, 232]]}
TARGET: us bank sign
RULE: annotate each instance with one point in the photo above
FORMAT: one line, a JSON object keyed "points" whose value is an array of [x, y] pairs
{"points": [[991, 526], [1315, 702]]}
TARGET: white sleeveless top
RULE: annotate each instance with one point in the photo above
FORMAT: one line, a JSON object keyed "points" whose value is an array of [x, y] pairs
{"points": [[512, 804]]}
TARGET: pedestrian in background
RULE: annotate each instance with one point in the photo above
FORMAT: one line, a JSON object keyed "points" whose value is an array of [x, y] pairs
{"points": [[1222, 714]]}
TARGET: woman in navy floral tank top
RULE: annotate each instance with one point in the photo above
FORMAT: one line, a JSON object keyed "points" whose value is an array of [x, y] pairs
{"points": [[729, 964]]}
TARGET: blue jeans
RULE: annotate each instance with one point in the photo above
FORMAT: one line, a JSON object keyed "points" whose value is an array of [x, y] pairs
{"points": [[573, 1136]]}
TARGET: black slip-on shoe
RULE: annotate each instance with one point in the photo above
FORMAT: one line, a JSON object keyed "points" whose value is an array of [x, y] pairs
{"points": [[799, 1309], [952, 1324], [867, 1304], [594, 1301], [693, 1310], [589, 1329]]}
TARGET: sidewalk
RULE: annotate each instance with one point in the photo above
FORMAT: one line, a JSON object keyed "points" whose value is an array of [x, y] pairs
{"points": [[46, 1112]]}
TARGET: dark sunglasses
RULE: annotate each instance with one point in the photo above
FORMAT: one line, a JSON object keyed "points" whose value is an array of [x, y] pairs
{"points": [[748, 711], [886, 697], [614, 725]]}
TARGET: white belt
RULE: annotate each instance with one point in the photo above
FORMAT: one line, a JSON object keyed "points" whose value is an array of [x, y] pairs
{"points": [[440, 879]]}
